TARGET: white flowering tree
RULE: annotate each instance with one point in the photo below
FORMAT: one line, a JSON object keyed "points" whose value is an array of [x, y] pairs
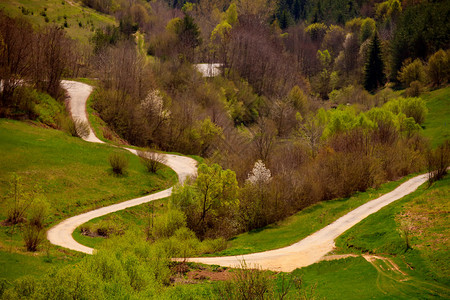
{"points": [[153, 103], [255, 197], [260, 175], [152, 108]]}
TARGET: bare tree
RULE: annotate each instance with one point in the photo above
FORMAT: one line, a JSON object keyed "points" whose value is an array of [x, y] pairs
{"points": [[52, 58], [264, 138], [15, 54]]}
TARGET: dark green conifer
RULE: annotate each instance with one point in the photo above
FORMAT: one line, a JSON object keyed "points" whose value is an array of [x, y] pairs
{"points": [[374, 67]]}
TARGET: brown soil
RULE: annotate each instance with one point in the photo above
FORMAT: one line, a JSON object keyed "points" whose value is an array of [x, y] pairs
{"points": [[194, 274], [220, 275]]}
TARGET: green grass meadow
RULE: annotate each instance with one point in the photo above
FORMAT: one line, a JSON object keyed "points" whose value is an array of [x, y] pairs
{"points": [[133, 218], [423, 217], [437, 123], [81, 21], [73, 176]]}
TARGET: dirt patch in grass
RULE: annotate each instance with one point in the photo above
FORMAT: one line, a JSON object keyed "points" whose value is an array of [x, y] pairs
{"points": [[195, 273], [220, 275]]}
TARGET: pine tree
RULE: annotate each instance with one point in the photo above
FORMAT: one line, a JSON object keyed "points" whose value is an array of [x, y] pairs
{"points": [[374, 67]]}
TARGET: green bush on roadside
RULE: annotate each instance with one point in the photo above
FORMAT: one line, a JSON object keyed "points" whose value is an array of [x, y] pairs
{"points": [[118, 162]]}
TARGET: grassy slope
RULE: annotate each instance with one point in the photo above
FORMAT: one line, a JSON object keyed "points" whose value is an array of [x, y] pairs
{"points": [[425, 214], [437, 124], [349, 278], [56, 10], [133, 218], [302, 224], [73, 175]]}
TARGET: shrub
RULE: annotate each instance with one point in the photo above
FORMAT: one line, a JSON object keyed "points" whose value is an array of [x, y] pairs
{"points": [[213, 246], [32, 237], [438, 69], [20, 203], [70, 283], [46, 108], [107, 228], [166, 224], [152, 161], [82, 128], [38, 213], [66, 124], [411, 71], [25, 286], [411, 107], [23, 102], [415, 89], [118, 162], [248, 283]]}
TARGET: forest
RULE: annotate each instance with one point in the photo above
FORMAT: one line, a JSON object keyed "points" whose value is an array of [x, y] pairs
{"points": [[316, 100]]}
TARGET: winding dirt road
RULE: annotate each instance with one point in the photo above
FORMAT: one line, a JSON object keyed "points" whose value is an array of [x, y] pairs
{"points": [[61, 234], [303, 253], [314, 247]]}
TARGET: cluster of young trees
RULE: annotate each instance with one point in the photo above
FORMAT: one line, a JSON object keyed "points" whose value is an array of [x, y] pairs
{"points": [[332, 154], [267, 104], [33, 58]]}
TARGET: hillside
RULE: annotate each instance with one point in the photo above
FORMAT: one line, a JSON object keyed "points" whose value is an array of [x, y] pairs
{"points": [[414, 231], [78, 21], [437, 124], [317, 108], [72, 176]]}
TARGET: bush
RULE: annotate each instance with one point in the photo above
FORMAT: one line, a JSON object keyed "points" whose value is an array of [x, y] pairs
{"points": [[66, 124], [415, 89], [248, 283], [213, 246], [152, 161], [33, 236], [118, 162], [19, 204], [25, 286], [23, 103], [82, 128], [166, 224], [38, 213], [438, 69], [411, 107], [411, 71]]}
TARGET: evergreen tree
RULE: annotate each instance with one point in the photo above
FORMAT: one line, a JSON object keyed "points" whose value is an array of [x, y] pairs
{"points": [[285, 19], [188, 32], [318, 13], [299, 10], [374, 67]]}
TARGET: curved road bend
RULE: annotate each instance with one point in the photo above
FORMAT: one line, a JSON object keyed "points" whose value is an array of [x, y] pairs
{"points": [[312, 248], [61, 234]]}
